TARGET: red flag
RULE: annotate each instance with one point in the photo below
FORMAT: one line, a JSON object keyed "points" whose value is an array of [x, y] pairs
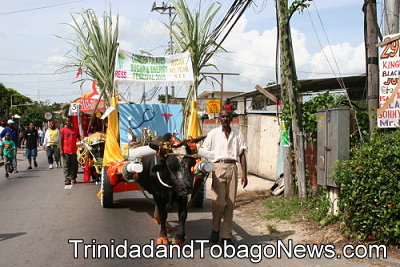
{"points": [[78, 73]]}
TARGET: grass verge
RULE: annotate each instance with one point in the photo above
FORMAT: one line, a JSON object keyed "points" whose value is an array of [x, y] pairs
{"points": [[292, 208]]}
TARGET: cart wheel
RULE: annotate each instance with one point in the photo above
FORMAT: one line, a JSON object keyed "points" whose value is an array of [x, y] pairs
{"points": [[107, 188]]}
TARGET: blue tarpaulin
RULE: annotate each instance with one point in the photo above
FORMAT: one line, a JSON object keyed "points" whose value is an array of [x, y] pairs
{"points": [[161, 119]]}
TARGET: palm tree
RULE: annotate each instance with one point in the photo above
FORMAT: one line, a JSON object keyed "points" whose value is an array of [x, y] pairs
{"points": [[194, 33], [95, 48]]}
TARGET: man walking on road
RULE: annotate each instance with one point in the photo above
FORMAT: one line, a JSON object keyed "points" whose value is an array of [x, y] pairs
{"points": [[13, 132], [69, 137], [31, 139], [41, 136], [229, 147], [51, 143]]}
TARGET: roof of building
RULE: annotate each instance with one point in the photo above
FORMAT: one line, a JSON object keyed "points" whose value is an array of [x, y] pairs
{"points": [[205, 94], [355, 86]]}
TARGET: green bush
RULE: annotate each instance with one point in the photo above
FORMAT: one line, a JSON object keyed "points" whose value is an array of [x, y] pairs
{"points": [[370, 189], [309, 113]]}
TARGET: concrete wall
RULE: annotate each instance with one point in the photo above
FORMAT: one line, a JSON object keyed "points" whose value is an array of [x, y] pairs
{"points": [[263, 135]]}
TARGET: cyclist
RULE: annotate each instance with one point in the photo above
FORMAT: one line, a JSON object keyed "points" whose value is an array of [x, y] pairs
{"points": [[9, 149]]}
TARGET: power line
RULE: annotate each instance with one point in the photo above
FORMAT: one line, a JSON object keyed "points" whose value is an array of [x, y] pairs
{"points": [[340, 78], [330, 46], [323, 52], [50, 81], [37, 8], [270, 67], [35, 73], [33, 61]]}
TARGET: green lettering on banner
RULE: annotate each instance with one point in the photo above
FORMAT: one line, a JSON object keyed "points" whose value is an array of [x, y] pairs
{"points": [[137, 68]]}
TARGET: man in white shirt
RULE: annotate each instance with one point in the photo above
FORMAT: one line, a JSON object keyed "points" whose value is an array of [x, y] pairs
{"points": [[229, 147]]}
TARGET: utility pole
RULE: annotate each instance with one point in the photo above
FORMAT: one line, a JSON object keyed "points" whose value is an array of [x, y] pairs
{"points": [[290, 97], [144, 94], [170, 10], [222, 80], [372, 61]]}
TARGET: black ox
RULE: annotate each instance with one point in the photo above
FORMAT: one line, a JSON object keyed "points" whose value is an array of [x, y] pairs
{"points": [[169, 177]]}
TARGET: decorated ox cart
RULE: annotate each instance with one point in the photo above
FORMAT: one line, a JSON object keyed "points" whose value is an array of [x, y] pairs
{"points": [[165, 167]]}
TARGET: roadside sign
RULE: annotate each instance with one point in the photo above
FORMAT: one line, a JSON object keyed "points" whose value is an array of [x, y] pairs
{"points": [[48, 116], [213, 106], [389, 86]]}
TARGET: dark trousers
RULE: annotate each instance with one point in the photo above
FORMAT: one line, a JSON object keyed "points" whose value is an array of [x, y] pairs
{"points": [[70, 164], [51, 151]]}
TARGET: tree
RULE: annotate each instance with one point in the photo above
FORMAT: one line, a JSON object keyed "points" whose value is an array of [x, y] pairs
{"points": [[193, 33], [10, 96], [289, 91], [95, 48], [161, 98], [35, 113]]}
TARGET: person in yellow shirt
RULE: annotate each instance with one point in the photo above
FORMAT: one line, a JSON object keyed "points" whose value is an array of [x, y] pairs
{"points": [[51, 143]]}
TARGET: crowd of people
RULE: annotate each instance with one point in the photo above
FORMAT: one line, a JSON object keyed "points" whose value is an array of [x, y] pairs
{"points": [[58, 143]]}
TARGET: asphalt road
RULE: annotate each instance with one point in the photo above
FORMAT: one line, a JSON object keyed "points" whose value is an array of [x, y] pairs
{"points": [[39, 216]]}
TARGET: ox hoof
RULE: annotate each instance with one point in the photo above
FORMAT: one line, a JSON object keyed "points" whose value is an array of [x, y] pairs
{"points": [[180, 243], [162, 240], [156, 220]]}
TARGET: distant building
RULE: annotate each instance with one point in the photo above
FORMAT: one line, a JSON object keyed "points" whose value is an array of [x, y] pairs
{"points": [[213, 95]]}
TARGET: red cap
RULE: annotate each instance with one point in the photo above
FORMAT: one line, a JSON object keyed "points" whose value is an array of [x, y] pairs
{"points": [[52, 123]]}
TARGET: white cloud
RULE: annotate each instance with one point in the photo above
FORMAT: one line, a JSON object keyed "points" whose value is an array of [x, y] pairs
{"points": [[124, 27], [350, 61], [153, 28], [126, 45], [252, 54], [57, 59]]}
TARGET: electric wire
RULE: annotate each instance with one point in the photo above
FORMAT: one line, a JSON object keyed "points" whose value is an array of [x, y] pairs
{"points": [[340, 79], [37, 8], [330, 46], [271, 67], [323, 51]]}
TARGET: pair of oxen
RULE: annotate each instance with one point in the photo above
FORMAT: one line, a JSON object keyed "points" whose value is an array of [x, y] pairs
{"points": [[169, 177]]}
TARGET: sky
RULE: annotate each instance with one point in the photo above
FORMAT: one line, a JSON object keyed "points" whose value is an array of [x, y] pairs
{"points": [[328, 41]]}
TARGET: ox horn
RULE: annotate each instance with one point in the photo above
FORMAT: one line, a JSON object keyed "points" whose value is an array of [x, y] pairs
{"points": [[176, 142]]}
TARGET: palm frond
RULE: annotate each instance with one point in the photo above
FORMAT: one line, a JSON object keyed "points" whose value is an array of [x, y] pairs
{"points": [[95, 47], [193, 33]]}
